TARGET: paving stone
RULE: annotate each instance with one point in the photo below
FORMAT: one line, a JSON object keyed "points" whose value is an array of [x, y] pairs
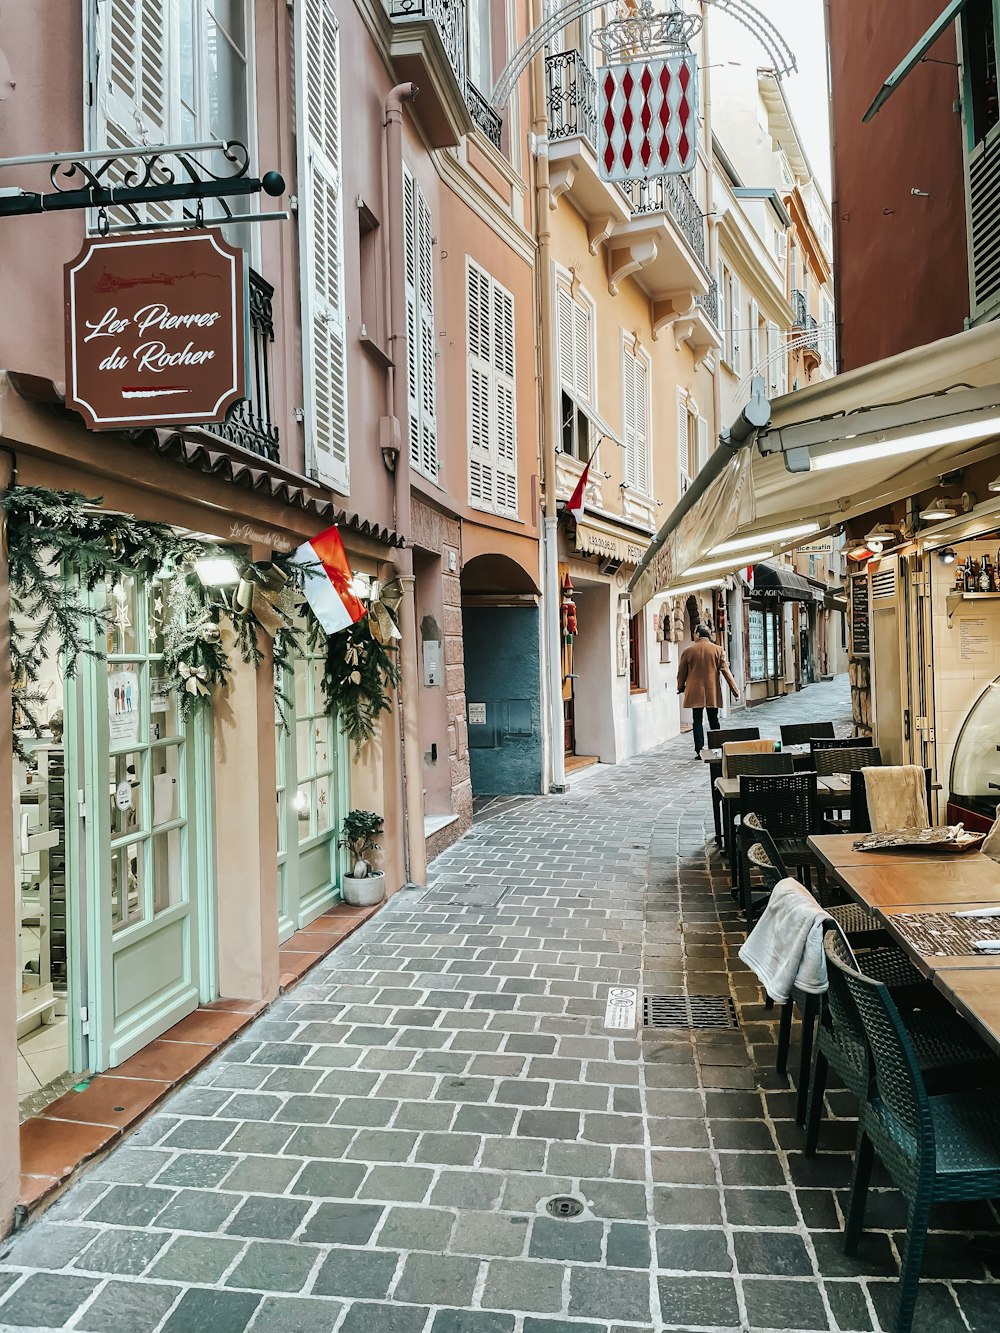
{"points": [[357, 1273], [53, 1245], [850, 1309], [197, 1168], [296, 1314], [514, 1154], [490, 1235], [273, 1219], [608, 1293], [127, 1307], [312, 1141], [690, 1251], [775, 1304], [424, 1115], [130, 1166], [771, 1253], [548, 1125], [365, 1111], [342, 1223], [628, 1246], [197, 1210], [437, 1279], [578, 1240], [484, 1120], [259, 1137], [377, 1317], [121, 1250], [692, 1206], [463, 1189], [45, 1300], [760, 1207], [329, 1180], [609, 1198], [193, 1259], [519, 1093], [448, 1149], [218, 1311], [471, 1321], [381, 1145], [516, 1285], [273, 1267], [706, 1301]]}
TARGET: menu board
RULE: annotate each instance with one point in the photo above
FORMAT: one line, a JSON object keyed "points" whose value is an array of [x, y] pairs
{"points": [[860, 629], [755, 640]]}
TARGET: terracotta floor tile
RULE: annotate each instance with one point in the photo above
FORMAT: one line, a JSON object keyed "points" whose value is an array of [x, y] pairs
{"points": [[97, 1104], [209, 1026], [56, 1147], [294, 948], [34, 1189], [251, 1007], [166, 1061]]}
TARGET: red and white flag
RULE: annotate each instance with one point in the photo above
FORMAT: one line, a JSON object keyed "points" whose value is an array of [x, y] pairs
{"points": [[575, 503], [327, 581]]}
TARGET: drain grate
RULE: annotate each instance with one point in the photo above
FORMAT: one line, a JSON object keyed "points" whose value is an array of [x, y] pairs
{"points": [[564, 1205], [688, 1011]]}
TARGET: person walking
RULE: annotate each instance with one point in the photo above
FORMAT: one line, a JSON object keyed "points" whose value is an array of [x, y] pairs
{"points": [[698, 674]]}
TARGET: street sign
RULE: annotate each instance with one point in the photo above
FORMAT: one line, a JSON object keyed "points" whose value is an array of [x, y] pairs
{"points": [[155, 329], [647, 118]]}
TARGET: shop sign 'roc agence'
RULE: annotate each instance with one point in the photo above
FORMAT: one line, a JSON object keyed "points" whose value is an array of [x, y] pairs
{"points": [[155, 330]]}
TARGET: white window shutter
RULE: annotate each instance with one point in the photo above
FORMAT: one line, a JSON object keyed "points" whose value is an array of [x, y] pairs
{"points": [[492, 394], [772, 356], [628, 415], [564, 336], [133, 83], [418, 267], [412, 321], [702, 442], [682, 441], [738, 318], [634, 384], [754, 336], [581, 350], [324, 335], [721, 296]]}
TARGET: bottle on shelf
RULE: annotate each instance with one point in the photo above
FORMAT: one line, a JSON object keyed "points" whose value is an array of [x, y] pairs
{"points": [[986, 581], [970, 574]]}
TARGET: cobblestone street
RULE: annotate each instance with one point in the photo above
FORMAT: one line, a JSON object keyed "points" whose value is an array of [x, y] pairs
{"points": [[375, 1154]]}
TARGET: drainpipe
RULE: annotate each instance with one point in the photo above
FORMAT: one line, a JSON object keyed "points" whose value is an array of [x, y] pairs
{"points": [[549, 421], [395, 434]]}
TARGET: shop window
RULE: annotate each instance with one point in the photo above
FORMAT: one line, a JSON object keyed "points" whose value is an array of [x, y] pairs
{"points": [[980, 56], [636, 653]]}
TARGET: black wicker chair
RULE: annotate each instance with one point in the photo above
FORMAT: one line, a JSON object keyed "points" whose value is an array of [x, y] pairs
{"points": [[801, 733], [860, 819], [715, 741], [936, 1149], [948, 1051], [837, 742], [786, 806], [739, 766], [846, 759]]}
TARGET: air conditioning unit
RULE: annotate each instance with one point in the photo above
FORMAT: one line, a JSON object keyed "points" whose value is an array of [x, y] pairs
{"points": [[609, 567]]}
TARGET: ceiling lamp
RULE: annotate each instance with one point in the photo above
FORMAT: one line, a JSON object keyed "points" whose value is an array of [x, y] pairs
{"points": [[731, 562], [963, 433], [940, 509], [776, 535], [994, 485], [881, 536]]}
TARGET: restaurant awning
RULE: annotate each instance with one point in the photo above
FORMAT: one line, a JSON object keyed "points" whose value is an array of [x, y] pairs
{"points": [[831, 452], [773, 583]]}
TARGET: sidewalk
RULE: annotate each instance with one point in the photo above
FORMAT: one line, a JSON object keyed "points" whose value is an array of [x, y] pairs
{"points": [[374, 1155]]}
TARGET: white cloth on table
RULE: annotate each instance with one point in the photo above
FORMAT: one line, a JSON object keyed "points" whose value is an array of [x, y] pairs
{"points": [[897, 797], [785, 947]]}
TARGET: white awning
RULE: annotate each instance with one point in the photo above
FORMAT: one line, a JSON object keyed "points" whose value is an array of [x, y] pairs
{"points": [[831, 452]]}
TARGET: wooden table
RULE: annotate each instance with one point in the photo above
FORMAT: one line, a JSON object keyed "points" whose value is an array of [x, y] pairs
{"points": [[893, 883]]}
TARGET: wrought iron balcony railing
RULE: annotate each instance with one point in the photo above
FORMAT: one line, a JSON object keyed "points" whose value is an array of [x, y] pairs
{"points": [[249, 423], [710, 302], [811, 337], [571, 93], [483, 114], [673, 195], [449, 17], [800, 307]]}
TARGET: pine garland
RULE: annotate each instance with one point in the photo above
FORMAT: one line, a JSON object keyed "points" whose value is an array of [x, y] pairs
{"points": [[358, 675]]}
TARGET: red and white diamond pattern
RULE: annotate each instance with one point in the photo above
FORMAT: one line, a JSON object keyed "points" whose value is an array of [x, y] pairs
{"points": [[647, 118]]}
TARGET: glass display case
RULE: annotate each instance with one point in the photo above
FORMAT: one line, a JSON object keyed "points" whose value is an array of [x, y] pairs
{"points": [[975, 767]]}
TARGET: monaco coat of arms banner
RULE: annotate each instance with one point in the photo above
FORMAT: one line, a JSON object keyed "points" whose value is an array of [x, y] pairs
{"points": [[647, 118]]}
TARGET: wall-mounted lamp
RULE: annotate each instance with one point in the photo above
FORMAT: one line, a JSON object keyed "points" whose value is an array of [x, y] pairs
{"points": [[948, 556], [941, 509], [217, 571]]}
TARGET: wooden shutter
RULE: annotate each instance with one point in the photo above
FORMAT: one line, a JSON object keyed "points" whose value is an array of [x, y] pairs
{"points": [[682, 441], [324, 339], [737, 334], [133, 83], [771, 377], [418, 265], [492, 394], [720, 301], [581, 351]]}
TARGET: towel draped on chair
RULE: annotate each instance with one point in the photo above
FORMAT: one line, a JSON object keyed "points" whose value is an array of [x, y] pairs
{"points": [[744, 747], [897, 797], [785, 947]]}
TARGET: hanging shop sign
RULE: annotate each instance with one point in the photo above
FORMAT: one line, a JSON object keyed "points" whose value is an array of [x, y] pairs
{"points": [[647, 118], [155, 329]]}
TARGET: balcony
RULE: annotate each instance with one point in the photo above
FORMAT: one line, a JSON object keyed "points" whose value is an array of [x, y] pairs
{"points": [[571, 94], [485, 118], [800, 307], [698, 325], [249, 423], [663, 246], [808, 342], [427, 47]]}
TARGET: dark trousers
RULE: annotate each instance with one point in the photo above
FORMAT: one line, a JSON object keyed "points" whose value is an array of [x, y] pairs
{"points": [[697, 717]]}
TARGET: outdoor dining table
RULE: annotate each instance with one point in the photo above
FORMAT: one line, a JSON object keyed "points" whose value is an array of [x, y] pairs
{"points": [[908, 881], [832, 793]]}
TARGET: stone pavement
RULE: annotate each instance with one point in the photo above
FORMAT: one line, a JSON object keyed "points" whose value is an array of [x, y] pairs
{"points": [[375, 1154]]}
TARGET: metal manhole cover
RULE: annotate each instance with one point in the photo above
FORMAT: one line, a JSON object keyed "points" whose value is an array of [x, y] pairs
{"points": [[688, 1011], [564, 1205]]}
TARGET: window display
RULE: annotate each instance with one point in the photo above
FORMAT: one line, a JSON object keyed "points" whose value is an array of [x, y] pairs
{"points": [[975, 765]]}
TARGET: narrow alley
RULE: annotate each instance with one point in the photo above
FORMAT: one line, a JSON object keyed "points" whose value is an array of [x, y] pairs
{"points": [[377, 1153]]}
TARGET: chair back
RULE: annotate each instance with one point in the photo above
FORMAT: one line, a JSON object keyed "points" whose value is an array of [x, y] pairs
{"points": [[840, 1013], [837, 742], [738, 765], [898, 1082], [717, 739], [847, 759], [801, 733], [759, 859], [785, 804], [731, 749], [860, 818], [759, 847]]}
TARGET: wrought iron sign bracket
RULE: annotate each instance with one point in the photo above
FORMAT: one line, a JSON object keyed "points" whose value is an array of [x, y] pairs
{"points": [[137, 176]]}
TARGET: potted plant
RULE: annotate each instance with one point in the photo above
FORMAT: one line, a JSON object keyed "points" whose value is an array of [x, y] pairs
{"points": [[363, 886]]}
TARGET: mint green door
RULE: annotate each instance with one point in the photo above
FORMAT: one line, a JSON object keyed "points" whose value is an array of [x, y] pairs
{"points": [[148, 813], [312, 780]]}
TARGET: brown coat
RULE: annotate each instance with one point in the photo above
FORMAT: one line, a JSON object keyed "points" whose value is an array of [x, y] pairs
{"points": [[698, 675]]}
